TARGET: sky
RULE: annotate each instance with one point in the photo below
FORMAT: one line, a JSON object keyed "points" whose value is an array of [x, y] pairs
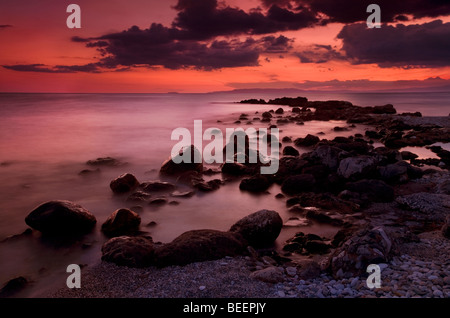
{"points": [[154, 46]]}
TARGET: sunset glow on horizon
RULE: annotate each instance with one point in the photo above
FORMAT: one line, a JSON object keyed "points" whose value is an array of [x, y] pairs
{"points": [[203, 46]]}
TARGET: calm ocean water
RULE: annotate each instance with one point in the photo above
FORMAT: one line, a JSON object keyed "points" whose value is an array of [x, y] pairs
{"points": [[45, 140]]}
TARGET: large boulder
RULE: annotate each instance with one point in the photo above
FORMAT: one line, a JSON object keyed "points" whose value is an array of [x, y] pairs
{"points": [[368, 246], [271, 274], [124, 183], [372, 190], [129, 251], [357, 167], [198, 246], [61, 218], [184, 161], [298, 184], [121, 222], [288, 166], [290, 151], [260, 228], [328, 155]]}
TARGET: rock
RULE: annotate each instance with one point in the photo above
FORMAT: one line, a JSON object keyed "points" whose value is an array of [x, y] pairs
{"points": [[234, 169], [407, 155], [121, 222], [446, 227], [158, 186], [185, 194], [357, 167], [394, 172], [158, 201], [316, 247], [139, 196], [308, 269], [291, 271], [298, 183], [339, 129], [286, 139], [308, 141], [290, 151], [269, 275], [289, 166], [129, 251], [13, 286], [385, 109], [106, 161], [61, 218], [198, 246], [266, 115], [368, 246], [188, 159], [435, 206], [372, 190], [322, 218], [207, 186], [329, 156], [260, 229], [124, 183], [88, 172], [279, 111], [296, 110], [255, 184]]}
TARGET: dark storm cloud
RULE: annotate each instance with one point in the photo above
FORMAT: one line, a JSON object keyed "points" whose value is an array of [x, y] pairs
{"points": [[319, 54], [424, 45], [205, 19], [41, 68], [159, 45], [349, 11]]}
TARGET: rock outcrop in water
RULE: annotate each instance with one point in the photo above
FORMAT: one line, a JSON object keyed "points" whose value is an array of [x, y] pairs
{"points": [[121, 222], [260, 228], [63, 218], [176, 165], [124, 183], [129, 251]]}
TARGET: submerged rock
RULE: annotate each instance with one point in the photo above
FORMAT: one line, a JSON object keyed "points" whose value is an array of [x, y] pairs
{"points": [[260, 228], [121, 222], [198, 246], [61, 218], [157, 186], [124, 183], [105, 161], [129, 251], [255, 184]]}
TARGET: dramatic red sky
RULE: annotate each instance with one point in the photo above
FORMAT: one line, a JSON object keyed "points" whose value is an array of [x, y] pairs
{"points": [[208, 45]]}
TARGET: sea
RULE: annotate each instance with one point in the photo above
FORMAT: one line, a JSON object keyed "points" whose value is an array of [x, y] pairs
{"points": [[46, 140]]}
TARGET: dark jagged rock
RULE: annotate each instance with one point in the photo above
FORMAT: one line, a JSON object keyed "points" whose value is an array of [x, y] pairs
{"points": [[260, 229], [255, 184], [368, 246], [357, 167], [279, 111], [177, 165], [329, 156], [290, 151], [372, 190], [124, 183], [61, 218], [299, 183], [288, 101], [13, 286], [121, 222], [137, 251], [158, 186], [308, 141], [322, 217], [106, 161], [198, 246], [207, 186]]}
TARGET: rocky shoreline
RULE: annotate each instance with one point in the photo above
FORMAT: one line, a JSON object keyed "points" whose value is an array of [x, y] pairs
{"points": [[390, 211]]}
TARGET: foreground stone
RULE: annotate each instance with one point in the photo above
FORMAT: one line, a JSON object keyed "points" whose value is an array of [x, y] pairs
{"points": [[129, 251], [124, 183], [446, 227], [359, 251], [260, 228], [270, 274], [199, 246], [121, 222], [61, 218], [13, 286]]}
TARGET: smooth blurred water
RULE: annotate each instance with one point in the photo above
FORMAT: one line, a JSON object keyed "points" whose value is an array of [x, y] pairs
{"points": [[46, 139]]}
